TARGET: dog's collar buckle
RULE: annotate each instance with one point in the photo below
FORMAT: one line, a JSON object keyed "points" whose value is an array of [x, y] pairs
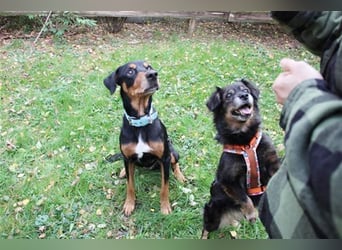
{"points": [[142, 121]]}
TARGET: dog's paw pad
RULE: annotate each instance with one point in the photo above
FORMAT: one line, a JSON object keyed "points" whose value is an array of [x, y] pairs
{"points": [[128, 208], [180, 177], [252, 220], [122, 173], [251, 217], [166, 209]]}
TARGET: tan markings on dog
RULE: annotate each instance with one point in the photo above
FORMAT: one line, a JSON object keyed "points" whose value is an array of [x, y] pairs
{"points": [[157, 148], [128, 149], [247, 207], [138, 101], [146, 64], [165, 206], [132, 66], [130, 192], [173, 159], [175, 168], [231, 218], [234, 124], [242, 87], [177, 172], [248, 210], [122, 173]]}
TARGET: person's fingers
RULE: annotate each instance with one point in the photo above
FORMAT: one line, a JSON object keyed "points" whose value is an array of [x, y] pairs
{"points": [[287, 64], [278, 87]]}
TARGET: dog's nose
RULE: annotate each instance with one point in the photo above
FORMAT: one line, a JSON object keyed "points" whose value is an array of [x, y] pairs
{"points": [[151, 74], [243, 96]]}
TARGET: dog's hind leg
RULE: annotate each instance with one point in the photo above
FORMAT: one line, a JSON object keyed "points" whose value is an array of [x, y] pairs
{"points": [[176, 170], [211, 217], [122, 173], [174, 164]]}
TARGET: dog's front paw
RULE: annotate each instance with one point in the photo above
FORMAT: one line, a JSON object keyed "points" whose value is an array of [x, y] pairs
{"points": [[128, 207], [205, 235], [165, 207], [249, 211], [252, 217]]}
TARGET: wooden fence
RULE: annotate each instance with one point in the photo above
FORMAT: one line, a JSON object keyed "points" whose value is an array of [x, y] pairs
{"points": [[119, 17]]}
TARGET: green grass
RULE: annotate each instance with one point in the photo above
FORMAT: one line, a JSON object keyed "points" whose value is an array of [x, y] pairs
{"points": [[58, 122]]}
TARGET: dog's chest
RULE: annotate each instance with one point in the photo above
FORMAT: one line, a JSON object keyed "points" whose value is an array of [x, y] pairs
{"points": [[142, 147]]}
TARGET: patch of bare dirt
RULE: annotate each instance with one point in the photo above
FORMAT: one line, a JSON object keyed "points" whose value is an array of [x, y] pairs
{"points": [[268, 34]]}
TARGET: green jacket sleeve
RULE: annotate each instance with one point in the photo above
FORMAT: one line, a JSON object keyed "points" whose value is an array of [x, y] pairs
{"points": [[308, 182]]}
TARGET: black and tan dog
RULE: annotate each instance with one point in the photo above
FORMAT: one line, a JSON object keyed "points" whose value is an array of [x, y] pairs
{"points": [[248, 160], [143, 138]]}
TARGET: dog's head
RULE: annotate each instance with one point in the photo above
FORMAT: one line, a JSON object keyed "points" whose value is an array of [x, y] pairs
{"points": [[136, 78], [235, 104]]}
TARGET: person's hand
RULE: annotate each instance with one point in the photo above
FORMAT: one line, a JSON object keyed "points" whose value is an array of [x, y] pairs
{"points": [[294, 72]]}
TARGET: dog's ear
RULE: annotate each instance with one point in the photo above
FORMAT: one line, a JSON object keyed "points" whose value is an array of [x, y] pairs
{"points": [[214, 100], [255, 92], [110, 83]]}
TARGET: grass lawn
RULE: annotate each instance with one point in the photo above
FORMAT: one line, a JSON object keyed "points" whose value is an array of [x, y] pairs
{"points": [[59, 122]]}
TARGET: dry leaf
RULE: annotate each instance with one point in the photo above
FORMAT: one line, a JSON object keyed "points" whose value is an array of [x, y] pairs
{"points": [[103, 225], [42, 236], [233, 234], [10, 145], [25, 202], [52, 183], [76, 181], [99, 212]]}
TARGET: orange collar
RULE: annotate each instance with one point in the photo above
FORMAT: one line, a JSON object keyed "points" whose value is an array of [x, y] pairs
{"points": [[254, 186]]}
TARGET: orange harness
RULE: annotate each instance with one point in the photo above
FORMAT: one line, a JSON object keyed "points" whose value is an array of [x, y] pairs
{"points": [[254, 186]]}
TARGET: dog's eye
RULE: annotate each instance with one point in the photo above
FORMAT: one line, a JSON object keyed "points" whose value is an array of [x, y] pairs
{"points": [[246, 90], [229, 95], [130, 72]]}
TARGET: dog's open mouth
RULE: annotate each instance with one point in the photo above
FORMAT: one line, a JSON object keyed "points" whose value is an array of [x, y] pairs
{"points": [[243, 112], [151, 90]]}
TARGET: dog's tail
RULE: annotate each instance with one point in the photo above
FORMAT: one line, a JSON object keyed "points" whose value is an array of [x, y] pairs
{"points": [[114, 157]]}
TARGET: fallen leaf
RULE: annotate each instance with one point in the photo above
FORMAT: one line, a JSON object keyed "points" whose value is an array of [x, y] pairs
{"points": [[99, 212], [25, 202], [52, 183], [76, 181], [42, 236], [103, 225], [90, 165], [10, 145], [233, 234], [109, 234], [38, 145], [186, 190]]}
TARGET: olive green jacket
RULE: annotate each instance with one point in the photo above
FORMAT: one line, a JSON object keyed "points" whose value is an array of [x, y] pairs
{"points": [[304, 198]]}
